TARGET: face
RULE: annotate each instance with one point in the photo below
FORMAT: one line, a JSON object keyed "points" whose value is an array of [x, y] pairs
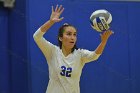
{"points": [[69, 37]]}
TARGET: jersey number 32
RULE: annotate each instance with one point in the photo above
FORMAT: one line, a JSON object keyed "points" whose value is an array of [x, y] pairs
{"points": [[66, 71]]}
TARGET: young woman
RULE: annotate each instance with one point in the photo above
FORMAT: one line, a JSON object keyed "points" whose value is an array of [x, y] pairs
{"points": [[65, 61]]}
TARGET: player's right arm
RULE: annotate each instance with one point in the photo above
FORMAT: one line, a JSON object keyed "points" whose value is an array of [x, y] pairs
{"points": [[45, 46]]}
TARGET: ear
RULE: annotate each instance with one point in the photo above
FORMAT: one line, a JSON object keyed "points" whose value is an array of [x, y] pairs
{"points": [[60, 38]]}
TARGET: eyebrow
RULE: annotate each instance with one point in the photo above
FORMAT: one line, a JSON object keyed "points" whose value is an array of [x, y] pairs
{"points": [[70, 32]]}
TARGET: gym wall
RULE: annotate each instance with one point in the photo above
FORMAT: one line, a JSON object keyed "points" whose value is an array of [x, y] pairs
{"points": [[23, 68]]}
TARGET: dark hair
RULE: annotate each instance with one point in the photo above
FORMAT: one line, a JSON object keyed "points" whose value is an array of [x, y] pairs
{"points": [[60, 34]]}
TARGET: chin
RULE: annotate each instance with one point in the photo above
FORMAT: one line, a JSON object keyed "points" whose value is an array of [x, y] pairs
{"points": [[71, 47]]}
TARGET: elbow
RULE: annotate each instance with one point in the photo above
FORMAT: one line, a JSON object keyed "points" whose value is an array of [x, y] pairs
{"points": [[96, 57], [35, 37], [38, 35]]}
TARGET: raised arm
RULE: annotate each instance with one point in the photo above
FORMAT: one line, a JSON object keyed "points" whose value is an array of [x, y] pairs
{"points": [[38, 35], [104, 39], [45, 46]]}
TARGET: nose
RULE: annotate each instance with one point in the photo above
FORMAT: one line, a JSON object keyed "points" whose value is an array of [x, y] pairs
{"points": [[72, 37]]}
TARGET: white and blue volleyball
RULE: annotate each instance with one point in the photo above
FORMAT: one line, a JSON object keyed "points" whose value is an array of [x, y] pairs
{"points": [[100, 20]]}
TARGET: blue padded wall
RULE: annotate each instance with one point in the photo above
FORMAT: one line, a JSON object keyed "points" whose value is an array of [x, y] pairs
{"points": [[23, 68], [13, 49], [4, 56]]}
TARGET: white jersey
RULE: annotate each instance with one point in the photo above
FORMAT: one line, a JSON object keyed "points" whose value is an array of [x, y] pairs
{"points": [[64, 72]]}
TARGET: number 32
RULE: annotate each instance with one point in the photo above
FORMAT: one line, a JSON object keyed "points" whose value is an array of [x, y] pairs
{"points": [[66, 71]]}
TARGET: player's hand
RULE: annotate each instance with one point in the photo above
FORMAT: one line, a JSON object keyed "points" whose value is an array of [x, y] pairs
{"points": [[105, 35], [55, 16]]}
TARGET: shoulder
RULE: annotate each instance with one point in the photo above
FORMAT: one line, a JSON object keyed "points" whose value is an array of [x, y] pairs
{"points": [[82, 50]]}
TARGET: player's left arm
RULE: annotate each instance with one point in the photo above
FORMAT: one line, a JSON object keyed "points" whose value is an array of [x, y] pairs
{"points": [[104, 38]]}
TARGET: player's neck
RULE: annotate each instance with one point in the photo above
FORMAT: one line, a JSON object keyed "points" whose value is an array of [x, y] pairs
{"points": [[66, 51]]}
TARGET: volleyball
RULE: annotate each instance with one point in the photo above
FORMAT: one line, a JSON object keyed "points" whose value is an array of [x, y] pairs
{"points": [[100, 20]]}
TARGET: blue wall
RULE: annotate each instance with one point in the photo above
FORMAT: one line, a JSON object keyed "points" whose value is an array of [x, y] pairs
{"points": [[23, 68], [4, 57], [18, 48], [13, 49]]}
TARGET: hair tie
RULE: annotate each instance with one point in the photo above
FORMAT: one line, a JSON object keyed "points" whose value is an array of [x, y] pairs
{"points": [[65, 24]]}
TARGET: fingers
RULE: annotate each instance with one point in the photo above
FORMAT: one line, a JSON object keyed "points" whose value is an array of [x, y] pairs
{"points": [[61, 18], [108, 32], [62, 10], [52, 9], [58, 9], [111, 32]]}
